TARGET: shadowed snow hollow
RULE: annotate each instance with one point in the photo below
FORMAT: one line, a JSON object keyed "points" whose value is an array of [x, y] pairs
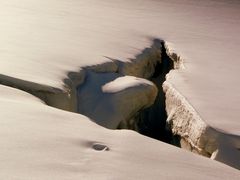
{"points": [[110, 99]]}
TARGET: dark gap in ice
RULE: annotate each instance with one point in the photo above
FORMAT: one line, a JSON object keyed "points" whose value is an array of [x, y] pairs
{"points": [[152, 120]]}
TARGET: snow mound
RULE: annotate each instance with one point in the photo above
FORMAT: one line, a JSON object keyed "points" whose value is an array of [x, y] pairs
{"points": [[122, 83], [110, 99]]}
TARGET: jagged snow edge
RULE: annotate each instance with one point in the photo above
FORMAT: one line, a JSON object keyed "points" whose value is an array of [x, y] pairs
{"points": [[202, 139]]}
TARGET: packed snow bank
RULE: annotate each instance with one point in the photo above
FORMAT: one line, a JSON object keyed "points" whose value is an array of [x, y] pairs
{"points": [[191, 131], [194, 134], [41, 142], [109, 99]]}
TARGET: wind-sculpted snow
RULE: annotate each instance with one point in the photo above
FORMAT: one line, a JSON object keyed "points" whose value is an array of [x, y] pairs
{"points": [[51, 49], [41, 142]]}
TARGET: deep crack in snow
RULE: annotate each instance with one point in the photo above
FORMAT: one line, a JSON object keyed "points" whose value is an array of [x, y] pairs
{"points": [[169, 117]]}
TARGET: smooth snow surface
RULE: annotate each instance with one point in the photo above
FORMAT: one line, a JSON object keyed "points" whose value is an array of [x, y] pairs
{"points": [[40, 142]]}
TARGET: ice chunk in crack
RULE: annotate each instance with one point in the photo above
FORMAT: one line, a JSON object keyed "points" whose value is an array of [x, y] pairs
{"points": [[109, 98]]}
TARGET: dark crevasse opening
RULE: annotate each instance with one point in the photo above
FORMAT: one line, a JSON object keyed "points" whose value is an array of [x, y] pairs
{"points": [[152, 121]]}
